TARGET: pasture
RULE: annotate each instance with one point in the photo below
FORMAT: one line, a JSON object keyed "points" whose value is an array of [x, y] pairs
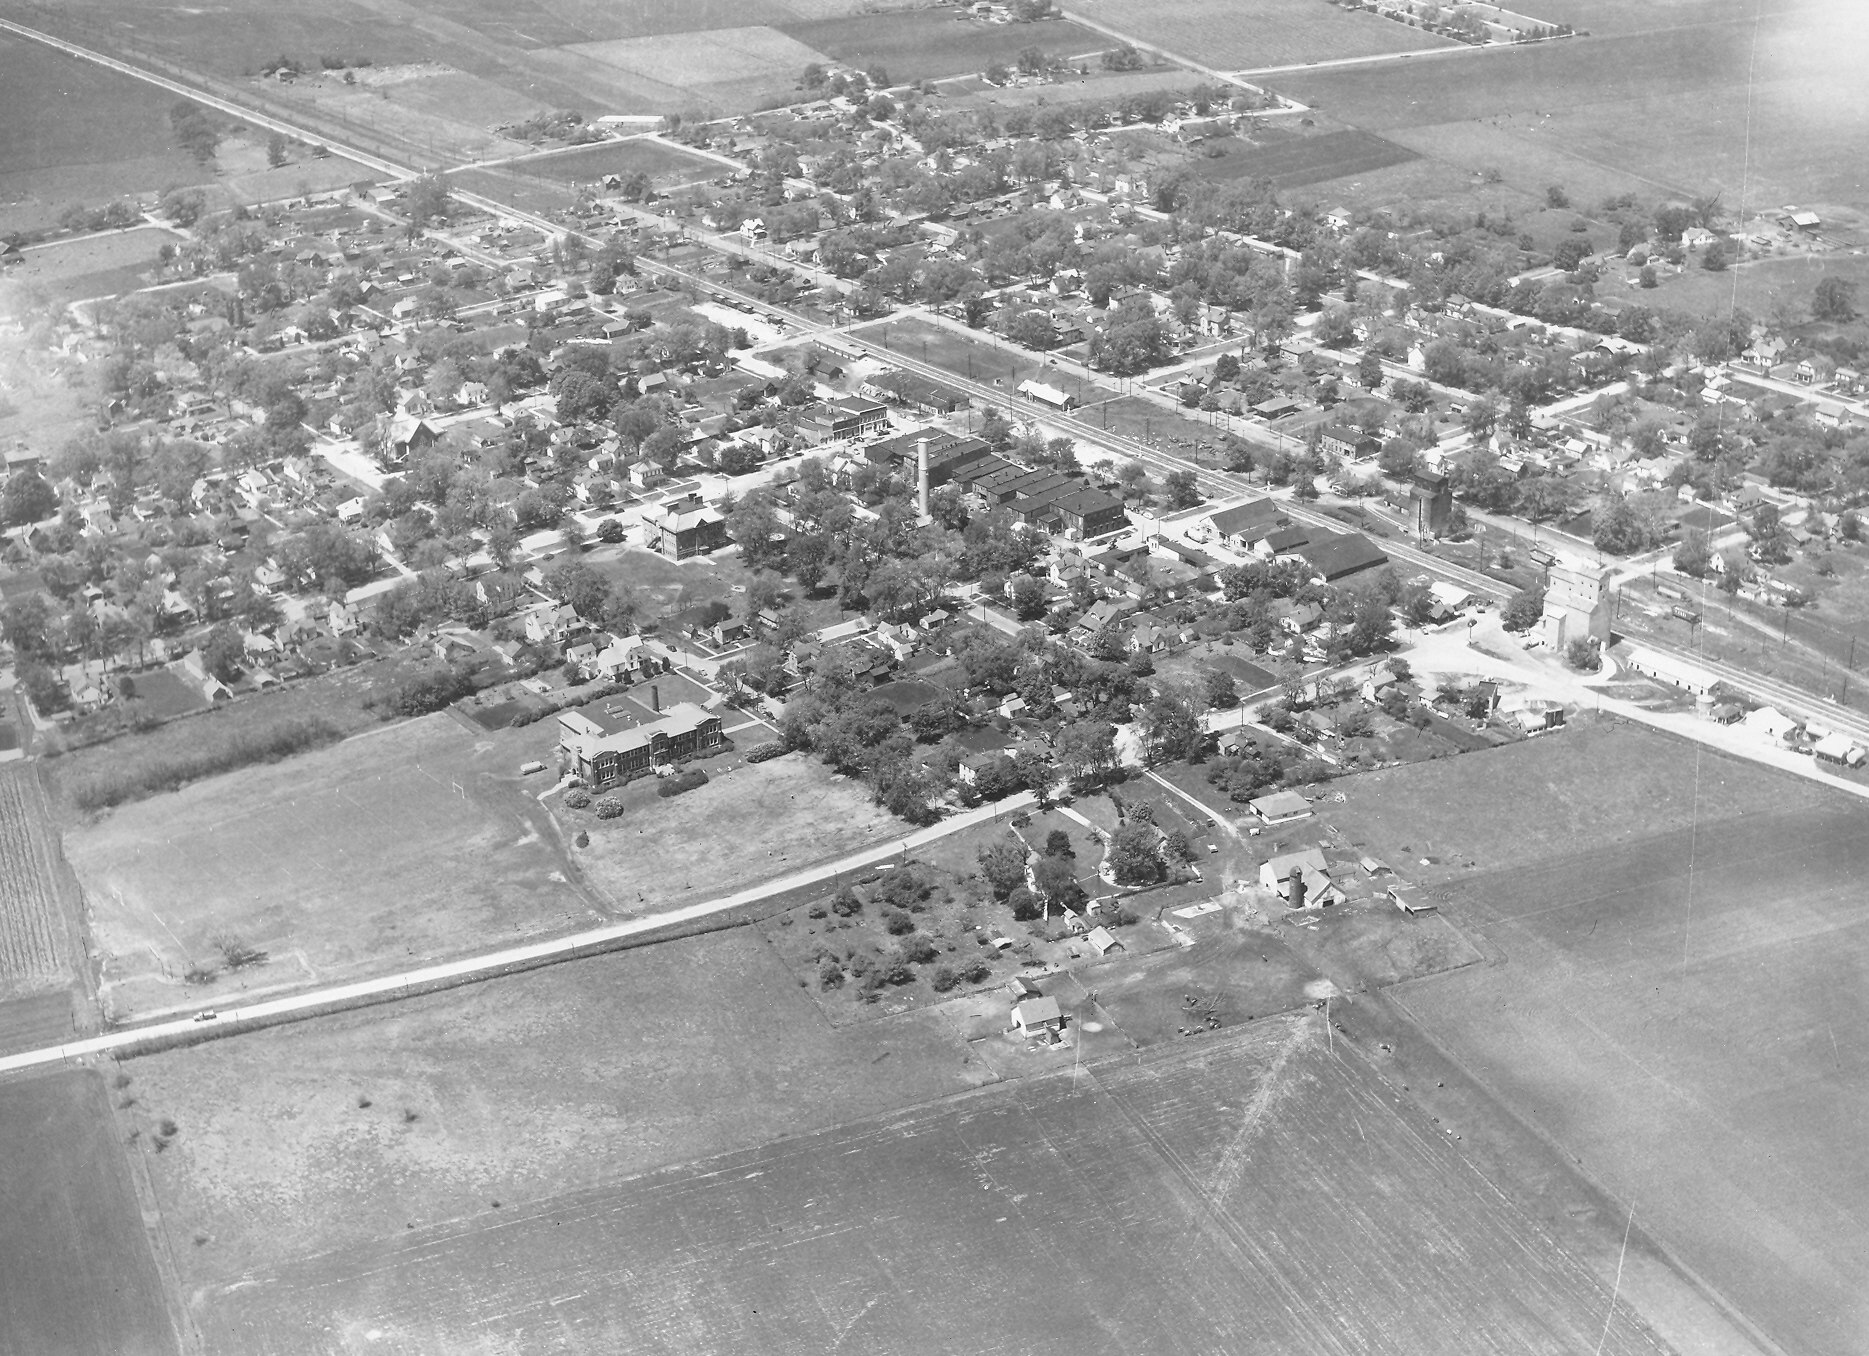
{"points": [[524, 1088], [662, 162], [1302, 160], [410, 845], [730, 68], [933, 44], [94, 265], [1682, 942], [1185, 1205], [79, 1279], [1222, 34], [36, 942]]}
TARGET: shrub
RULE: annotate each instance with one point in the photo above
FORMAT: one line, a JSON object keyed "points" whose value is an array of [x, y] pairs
{"points": [[609, 807], [682, 781], [917, 949], [976, 970], [765, 751], [897, 923], [846, 903], [199, 974], [577, 798], [1024, 905], [830, 974], [1125, 917], [209, 752], [582, 840], [944, 978], [899, 973]]}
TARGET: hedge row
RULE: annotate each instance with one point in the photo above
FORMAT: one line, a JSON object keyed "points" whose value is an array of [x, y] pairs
{"points": [[215, 752]]}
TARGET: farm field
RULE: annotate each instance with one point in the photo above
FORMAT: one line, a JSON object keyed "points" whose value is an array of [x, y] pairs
{"points": [[36, 930], [1593, 101], [79, 134], [756, 821], [1269, 33], [933, 44], [352, 860], [1303, 160], [524, 1088], [1184, 1205], [93, 266], [79, 1279], [1669, 1005], [735, 69]]}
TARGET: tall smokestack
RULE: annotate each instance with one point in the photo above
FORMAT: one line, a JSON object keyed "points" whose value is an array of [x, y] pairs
{"points": [[921, 477], [655, 698]]}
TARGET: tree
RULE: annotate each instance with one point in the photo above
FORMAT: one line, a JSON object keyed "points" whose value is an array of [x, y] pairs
{"points": [[1524, 609], [429, 200], [580, 587], [193, 131], [276, 150], [1716, 256], [223, 653], [1003, 867], [1133, 856], [1221, 691], [1085, 751], [1833, 299], [1028, 597], [1694, 556], [1619, 530], [1581, 654], [1183, 489], [27, 498], [1056, 881], [1369, 369], [1058, 844]]}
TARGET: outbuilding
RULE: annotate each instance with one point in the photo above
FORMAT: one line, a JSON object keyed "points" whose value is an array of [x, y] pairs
{"points": [[1411, 899], [1036, 1016], [1280, 807]]}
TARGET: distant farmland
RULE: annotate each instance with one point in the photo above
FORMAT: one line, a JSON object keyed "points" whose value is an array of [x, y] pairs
{"points": [[1305, 160], [931, 44], [1191, 1204], [1232, 36], [35, 938]]}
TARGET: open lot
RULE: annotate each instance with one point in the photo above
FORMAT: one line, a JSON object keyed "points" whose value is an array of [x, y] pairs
{"points": [[414, 844], [1677, 987], [657, 159], [753, 822], [1268, 33], [79, 1278], [932, 44], [1185, 1205]]}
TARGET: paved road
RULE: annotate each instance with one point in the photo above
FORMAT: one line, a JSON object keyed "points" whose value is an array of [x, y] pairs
{"points": [[213, 1024]]}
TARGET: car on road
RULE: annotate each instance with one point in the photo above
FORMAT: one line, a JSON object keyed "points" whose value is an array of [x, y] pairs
{"points": [[207, 1016]]}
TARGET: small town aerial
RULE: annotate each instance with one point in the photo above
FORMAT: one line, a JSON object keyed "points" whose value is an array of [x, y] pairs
{"points": [[1016, 678]]}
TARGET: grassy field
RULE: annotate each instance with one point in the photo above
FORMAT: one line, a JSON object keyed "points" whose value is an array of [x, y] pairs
{"points": [[35, 929], [93, 266], [932, 44], [348, 861], [79, 1278], [660, 161], [757, 821], [1678, 990], [1775, 111], [1268, 33], [524, 1088], [1185, 1205], [1303, 160]]}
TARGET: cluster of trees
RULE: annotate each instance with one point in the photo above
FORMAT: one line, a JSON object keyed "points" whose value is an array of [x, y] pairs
{"points": [[194, 130]]}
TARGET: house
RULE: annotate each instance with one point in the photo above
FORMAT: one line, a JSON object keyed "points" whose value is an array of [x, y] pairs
{"points": [[684, 527], [604, 751], [1103, 941], [1243, 524], [626, 659], [1280, 807], [551, 623], [1038, 1016], [1338, 441], [1774, 724], [1836, 748], [1411, 899]]}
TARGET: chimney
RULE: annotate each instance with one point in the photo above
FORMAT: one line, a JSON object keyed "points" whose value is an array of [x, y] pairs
{"points": [[921, 477], [655, 698]]}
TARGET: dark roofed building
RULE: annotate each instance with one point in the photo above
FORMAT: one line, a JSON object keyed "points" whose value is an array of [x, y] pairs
{"points": [[1335, 556], [1245, 523]]}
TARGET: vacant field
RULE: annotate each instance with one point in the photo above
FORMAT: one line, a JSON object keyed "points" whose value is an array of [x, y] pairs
{"points": [[981, 359], [1777, 111], [523, 1088], [1756, 285], [1188, 1205], [745, 825], [932, 44], [344, 862], [730, 68], [1267, 33], [1303, 160], [79, 1279], [35, 931], [657, 159], [1678, 1009], [94, 265]]}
